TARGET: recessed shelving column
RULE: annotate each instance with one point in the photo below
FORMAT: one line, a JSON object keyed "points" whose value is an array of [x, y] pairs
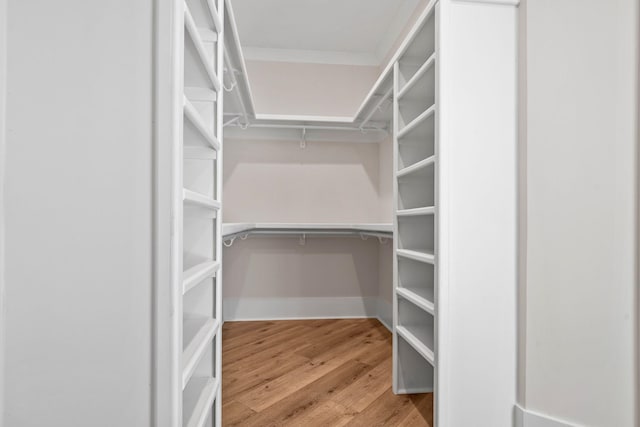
{"points": [[415, 219], [197, 215]]}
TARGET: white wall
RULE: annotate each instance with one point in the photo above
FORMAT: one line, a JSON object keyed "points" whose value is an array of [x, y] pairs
{"points": [[78, 214], [277, 181], [581, 288], [309, 89]]}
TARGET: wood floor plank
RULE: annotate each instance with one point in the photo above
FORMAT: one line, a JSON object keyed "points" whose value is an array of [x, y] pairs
{"points": [[386, 410], [266, 394], [289, 410], [367, 389], [327, 413], [237, 383], [422, 413], [342, 336], [283, 345], [235, 413], [314, 373]]}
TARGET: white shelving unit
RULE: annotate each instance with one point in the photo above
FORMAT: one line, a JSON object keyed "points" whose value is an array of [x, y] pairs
{"points": [[197, 231], [416, 207]]}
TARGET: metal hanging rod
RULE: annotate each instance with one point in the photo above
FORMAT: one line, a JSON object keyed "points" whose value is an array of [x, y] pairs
{"points": [[382, 237], [310, 127]]}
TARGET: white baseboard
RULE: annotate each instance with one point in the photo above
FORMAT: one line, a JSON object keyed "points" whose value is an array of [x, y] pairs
{"points": [[525, 418], [235, 309]]}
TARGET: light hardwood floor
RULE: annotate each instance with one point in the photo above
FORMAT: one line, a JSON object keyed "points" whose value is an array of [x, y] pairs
{"points": [[314, 373]]}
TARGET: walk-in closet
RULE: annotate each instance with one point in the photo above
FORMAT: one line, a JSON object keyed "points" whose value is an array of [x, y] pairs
{"points": [[329, 178], [308, 214], [319, 213], [338, 179]]}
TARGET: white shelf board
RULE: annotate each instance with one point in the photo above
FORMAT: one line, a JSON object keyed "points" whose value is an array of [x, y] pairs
{"points": [[196, 38], [416, 77], [200, 94], [417, 255], [196, 274], [237, 228], [416, 122], [416, 299], [200, 200], [199, 332], [429, 210], [215, 16], [422, 164], [192, 114], [198, 399], [303, 118], [417, 345], [190, 152]]}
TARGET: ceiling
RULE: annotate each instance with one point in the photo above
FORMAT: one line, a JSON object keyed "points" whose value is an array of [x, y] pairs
{"points": [[356, 32]]}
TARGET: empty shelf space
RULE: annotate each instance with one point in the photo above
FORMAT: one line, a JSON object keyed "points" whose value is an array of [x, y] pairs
{"points": [[195, 275], [205, 60], [416, 326], [417, 344], [198, 153], [413, 373], [418, 166], [197, 400], [417, 255], [205, 14], [416, 282], [417, 299], [197, 333], [194, 117], [200, 200], [429, 210], [417, 144], [199, 232], [417, 189], [422, 80], [418, 51], [414, 119], [416, 232]]}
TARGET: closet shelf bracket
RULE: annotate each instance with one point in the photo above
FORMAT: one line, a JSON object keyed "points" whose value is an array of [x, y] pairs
{"points": [[303, 140]]}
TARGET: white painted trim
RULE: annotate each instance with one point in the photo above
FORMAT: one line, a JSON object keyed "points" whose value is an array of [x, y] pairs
{"points": [[252, 53], [237, 309], [414, 390], [3, 101], [385, 313], [494, 2], [525, 418], [167, 113]]}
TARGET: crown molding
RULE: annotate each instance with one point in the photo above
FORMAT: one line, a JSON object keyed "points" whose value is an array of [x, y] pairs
{"points": [[252, 53]]}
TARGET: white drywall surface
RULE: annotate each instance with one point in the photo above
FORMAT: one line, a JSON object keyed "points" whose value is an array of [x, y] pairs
{"points": [[581, 284], [277, 181], [78, 214]]}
